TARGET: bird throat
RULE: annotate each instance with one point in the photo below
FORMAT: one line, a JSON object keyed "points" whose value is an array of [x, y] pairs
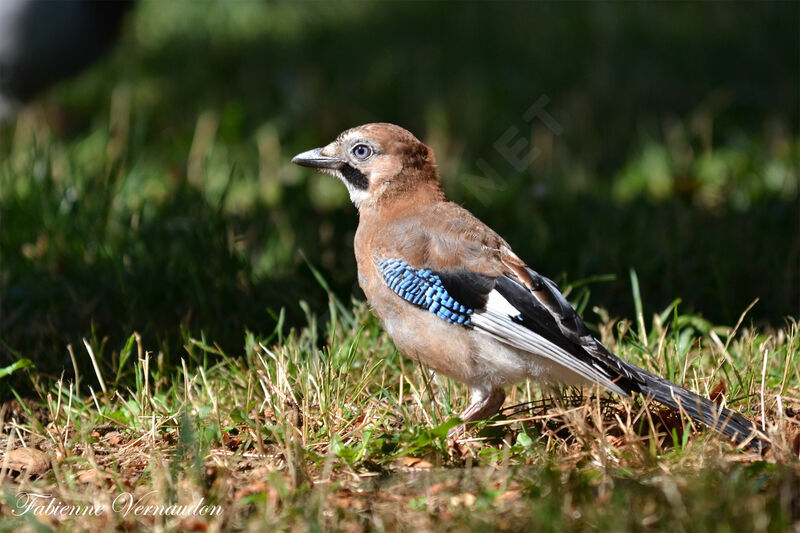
{"points": [[355, 177]]}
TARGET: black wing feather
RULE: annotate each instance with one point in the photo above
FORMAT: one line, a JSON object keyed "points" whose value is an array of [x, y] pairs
{"points": [[468, 288], [545, 311], [557, 321]]}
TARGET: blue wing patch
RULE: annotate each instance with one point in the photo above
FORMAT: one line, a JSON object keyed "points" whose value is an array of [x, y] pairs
{"points": [[423, 288]]}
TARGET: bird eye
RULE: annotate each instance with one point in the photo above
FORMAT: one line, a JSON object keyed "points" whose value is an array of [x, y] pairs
{"points": [[362, 151]]}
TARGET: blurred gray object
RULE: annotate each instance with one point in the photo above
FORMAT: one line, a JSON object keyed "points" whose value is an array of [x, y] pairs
{"points": [[45, 41]]}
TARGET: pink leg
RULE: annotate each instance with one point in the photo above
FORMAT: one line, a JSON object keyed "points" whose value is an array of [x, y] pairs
{"points": [[483, 406]]}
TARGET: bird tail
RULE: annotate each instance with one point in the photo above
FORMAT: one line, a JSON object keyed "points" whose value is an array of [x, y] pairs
{"points": [[718, 418]]}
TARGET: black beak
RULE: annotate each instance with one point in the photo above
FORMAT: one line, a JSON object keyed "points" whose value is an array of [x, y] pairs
{"points": [[315, 159]]}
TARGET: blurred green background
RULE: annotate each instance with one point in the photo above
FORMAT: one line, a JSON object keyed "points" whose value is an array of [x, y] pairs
{"points": [[154, 191]]}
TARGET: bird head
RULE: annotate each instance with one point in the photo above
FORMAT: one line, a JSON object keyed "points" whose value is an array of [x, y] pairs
{"points": [[377, 163]]}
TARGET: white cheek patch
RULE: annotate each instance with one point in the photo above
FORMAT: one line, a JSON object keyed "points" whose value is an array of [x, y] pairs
{"points": [[357, 196]]}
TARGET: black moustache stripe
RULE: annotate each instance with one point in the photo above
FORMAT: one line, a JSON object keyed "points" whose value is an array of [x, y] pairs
{"points": [[356, 178]]}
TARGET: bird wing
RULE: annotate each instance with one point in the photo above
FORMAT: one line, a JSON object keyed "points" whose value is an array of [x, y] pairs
{"points": [[541, 321], [446, 261], [508, 311]]}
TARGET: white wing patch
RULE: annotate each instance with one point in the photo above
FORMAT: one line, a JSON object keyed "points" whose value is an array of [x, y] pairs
{"points": [[497, 304], [496, 320]]}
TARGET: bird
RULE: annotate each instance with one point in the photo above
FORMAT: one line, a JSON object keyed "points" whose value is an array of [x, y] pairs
{"points": [[453, 295]]}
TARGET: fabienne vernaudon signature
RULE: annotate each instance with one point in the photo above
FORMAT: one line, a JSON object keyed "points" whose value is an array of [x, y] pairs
{"points": [[124, 503]]}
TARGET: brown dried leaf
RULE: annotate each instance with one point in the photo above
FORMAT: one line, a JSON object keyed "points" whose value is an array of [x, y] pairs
{"points": [[212, 471], [254, 488], [509, 496], [230, 441], [415, 462], [89, 476], [192, 523], [718, 392], [348, 502], [461, 450], [466, 500], [437, 487], [28, 461], [665, 420]]}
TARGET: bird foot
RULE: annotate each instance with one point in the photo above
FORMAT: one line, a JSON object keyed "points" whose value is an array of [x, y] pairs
{"points": [[482, 407]]}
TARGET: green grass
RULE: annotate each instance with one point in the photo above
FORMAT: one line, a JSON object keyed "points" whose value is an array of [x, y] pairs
{"points": [[348, 436], [178, 303]]}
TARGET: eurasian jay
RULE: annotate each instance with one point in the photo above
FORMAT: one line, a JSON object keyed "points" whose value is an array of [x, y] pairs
{"points": [[453, 295]]}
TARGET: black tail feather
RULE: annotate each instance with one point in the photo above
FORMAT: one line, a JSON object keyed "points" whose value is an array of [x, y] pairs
{"points": [[701, 409]]}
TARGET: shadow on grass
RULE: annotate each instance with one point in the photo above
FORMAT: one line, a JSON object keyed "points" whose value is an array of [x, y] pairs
{"points": [[181, 266], [612, 72], [188, 269]]}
